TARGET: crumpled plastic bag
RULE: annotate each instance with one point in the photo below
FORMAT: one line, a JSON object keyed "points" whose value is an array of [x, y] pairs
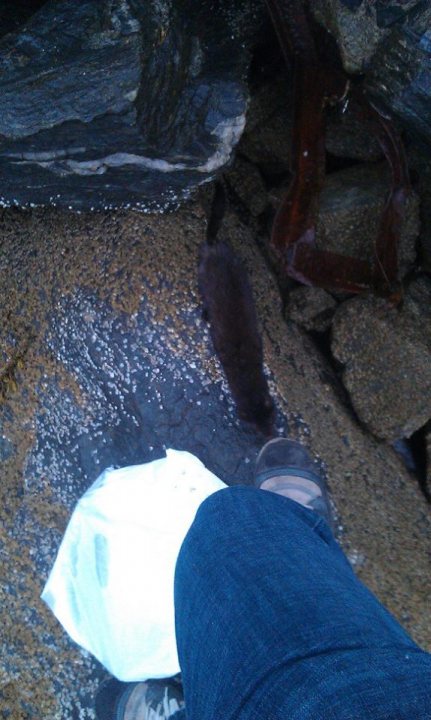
{"points": [[111, 586]]}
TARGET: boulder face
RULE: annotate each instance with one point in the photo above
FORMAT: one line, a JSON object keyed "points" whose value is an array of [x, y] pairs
{"points": [[351, 207], [387, 362], [118, 103]]}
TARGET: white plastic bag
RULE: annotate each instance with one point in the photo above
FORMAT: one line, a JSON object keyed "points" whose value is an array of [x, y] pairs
{"points": [[111, 586]]}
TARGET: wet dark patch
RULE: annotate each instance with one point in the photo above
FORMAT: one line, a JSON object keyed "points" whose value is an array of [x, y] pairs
{"points": [[137, 397]]}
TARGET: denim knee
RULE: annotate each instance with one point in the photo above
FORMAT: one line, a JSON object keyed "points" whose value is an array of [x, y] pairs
{"points": [[240, 503]]}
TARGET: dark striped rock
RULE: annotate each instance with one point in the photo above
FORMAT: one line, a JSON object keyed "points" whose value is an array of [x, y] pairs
{"points": [[119, 104]]}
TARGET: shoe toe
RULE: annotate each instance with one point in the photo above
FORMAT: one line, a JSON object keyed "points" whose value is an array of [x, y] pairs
{"points": [[282, 452]]}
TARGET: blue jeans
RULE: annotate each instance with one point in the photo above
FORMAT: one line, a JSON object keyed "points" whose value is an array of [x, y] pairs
{"points": [[272, 623]]}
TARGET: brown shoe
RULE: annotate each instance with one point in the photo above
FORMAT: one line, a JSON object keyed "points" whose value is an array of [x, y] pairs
{"points": [[285, 467]]}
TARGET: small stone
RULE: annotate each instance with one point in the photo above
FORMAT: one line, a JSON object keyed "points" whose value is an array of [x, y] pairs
{"points": [[310, 307], [387, 365]]}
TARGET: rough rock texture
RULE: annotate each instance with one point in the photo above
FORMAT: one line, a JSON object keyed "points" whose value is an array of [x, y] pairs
{"points": [[417, 303], [419, 155], [348, 137], [362, 26], [399, 79], [267, 137], [428, 461], [355, 29], [118, 103], [350, 209], [246, 181], [108, 361], [310, 307], [266, 141], [387, 365]]}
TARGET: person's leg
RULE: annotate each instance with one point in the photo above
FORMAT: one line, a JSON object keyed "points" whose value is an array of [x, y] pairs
{"points": [[272, 623]]}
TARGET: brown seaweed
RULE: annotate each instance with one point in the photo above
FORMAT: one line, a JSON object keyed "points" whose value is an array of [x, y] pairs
{"points": [[385, 271], [318, 82], [230, 309]]}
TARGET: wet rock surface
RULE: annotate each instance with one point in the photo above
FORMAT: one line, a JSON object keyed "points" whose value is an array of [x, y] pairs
{"points": [[111, 377], [387, 365], [109, 361], [121, 104]]}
